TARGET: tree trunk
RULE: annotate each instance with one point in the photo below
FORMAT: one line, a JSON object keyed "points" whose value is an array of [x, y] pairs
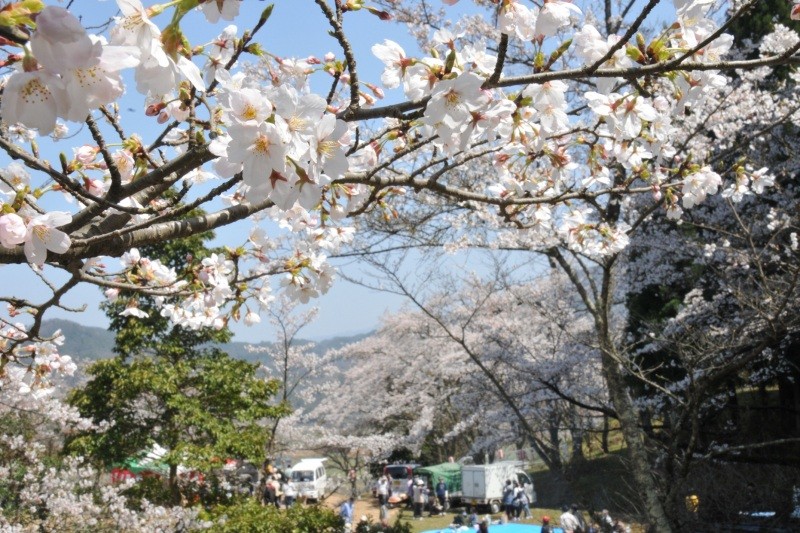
{"points": [[576, 433], [174, 490], [634, 439], [604, 438], [627, 414]]}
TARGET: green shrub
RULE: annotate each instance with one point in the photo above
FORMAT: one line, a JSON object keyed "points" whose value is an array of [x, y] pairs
{"points": [[247, 515]]}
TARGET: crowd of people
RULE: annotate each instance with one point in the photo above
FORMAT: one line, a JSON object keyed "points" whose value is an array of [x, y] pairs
{"points": [[516, 502], [278, 489], [516, 506], [572, 520]]}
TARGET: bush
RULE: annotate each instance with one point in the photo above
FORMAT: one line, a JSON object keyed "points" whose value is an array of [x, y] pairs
{"points": [[247, 515]]}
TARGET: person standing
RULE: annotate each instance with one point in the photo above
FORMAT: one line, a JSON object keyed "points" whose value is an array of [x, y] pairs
{"points": [[579, 517], [383, 491], [546, 528], [419, 498], [508, 500], [524, 504], [441, 493], [271, 492], [568, 522], [289, 493], [346, 512], [383, 496]]}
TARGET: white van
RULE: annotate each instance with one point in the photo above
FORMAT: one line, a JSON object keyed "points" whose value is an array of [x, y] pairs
{"points": [[310, 479]]}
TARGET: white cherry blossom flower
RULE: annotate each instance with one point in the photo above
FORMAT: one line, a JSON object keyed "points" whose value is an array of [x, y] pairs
{"points": [[42, 236], [15, 178], [252, 318], [549, 93], [220, 53], [136, 29], [220, 9], [394, 57], [35, 99], [111, 294], [760, 179], [134, 311], [630, 113], [248, 106], [421, 77], [555, 14], [261, 151], [690, 11], [90, 87], [453, 100], [479, 58], [331, 136], [125, 164], [516, 19], [301, 114], [698, 185], [60, 43], [158, 79]]}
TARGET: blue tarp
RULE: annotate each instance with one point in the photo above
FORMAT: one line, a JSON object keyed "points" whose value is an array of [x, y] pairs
{"points": [[503, 528]]}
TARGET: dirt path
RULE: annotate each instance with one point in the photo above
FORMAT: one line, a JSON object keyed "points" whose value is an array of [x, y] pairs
{"points": [[366, 505]]}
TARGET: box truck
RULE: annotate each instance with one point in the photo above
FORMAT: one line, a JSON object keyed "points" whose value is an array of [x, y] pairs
{"points": [[482, 485]]}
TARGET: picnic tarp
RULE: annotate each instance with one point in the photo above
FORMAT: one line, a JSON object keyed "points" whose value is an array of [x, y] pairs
{"points": [[498, 528]]}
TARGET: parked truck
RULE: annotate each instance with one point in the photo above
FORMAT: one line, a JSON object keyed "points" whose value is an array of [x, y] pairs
{"points": [[482, 485]]}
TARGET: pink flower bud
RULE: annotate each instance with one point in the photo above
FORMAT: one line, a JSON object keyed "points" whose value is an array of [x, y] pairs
{"points": [[86, 154], [12, 230]]}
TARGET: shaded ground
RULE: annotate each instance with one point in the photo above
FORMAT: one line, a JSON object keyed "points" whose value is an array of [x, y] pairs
{"points": [[366, 505]]}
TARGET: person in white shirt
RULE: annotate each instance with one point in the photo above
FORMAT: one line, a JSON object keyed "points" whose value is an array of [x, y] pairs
{"points": [[289, 493], [568, 521]]}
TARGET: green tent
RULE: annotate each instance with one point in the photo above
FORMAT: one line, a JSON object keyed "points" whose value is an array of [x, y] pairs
{"points": [[139, 465], [148, 460], [449, 472]]}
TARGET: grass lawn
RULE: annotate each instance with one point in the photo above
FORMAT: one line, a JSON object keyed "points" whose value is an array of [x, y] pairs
{"points": [[441, 522]]}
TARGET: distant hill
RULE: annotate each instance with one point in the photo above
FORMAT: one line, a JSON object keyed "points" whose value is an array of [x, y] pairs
{"points": [[81, 342], [87, 343]]}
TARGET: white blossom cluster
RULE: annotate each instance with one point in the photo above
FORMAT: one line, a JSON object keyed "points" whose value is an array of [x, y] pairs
{"points": [[42, 362]]}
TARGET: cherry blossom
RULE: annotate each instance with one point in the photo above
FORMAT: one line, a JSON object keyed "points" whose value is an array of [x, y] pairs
{"points": [[136, 29], [42, 236], [60, 43], [220, 9], [554, 15], [394, 57], [515, 18], [452, 101], [34, 99], [12, 230]]}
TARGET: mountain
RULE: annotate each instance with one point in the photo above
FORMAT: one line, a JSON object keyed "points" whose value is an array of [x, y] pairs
{"points": [[87, 343], [81, 342]]}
